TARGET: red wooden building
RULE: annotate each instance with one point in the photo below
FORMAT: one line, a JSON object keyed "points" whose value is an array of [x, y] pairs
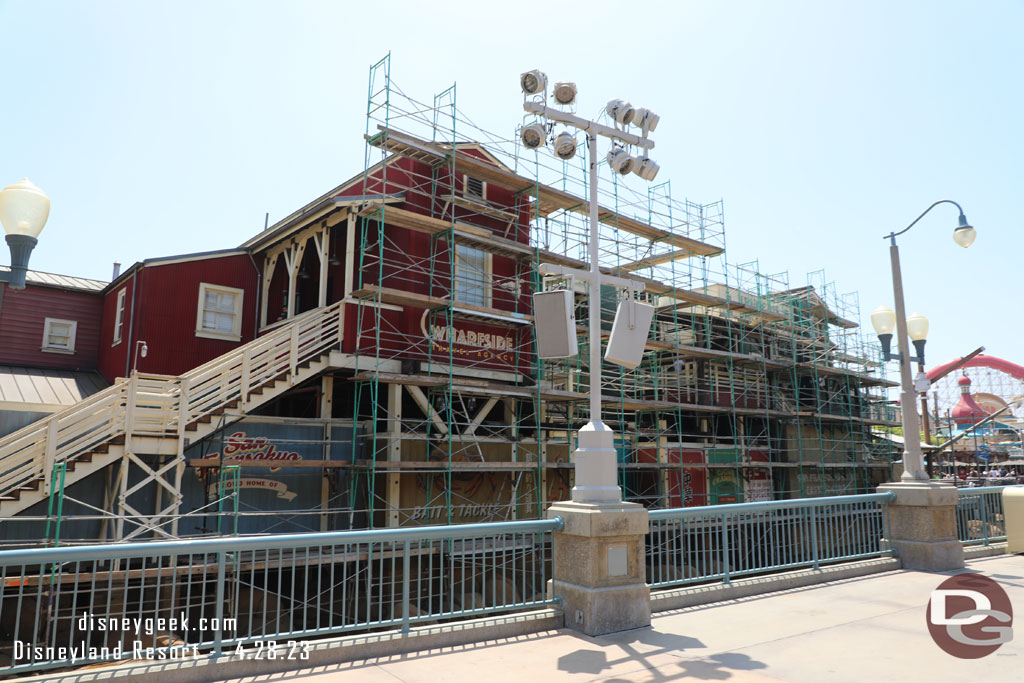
{"points": [[49, 346]]}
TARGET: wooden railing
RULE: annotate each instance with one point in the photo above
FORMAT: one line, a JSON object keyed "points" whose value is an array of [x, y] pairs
{"points": [[147, 405]]}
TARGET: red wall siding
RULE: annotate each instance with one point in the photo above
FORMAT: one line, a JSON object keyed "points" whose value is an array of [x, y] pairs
{"points": [[113, 359], [22, 318], [164, 315], [406, 253]]}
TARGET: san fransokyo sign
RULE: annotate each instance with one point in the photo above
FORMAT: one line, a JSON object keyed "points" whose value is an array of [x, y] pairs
{"points": [[276, 464]]}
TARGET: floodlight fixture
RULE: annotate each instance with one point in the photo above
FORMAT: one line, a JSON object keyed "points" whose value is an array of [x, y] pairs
{"points": [[533, 82], [646, 119], [621, 111], [646, 168], [565, 146], [533, 135], [620, 161], [565, 93]]}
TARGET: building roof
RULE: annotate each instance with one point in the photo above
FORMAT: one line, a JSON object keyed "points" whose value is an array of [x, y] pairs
{"points": [[167, 260], [80, 284], [44, 388]]}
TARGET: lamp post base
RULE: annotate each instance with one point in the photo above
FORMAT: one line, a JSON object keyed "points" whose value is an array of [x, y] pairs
{"points": [[597, 466], [599, 570], [922, 525]]}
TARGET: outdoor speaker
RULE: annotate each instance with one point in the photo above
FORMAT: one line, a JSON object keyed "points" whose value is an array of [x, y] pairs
{"points": [[555, 317], [629, 333]]}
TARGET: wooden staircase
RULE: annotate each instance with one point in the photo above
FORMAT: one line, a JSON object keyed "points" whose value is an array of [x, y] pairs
{"points": [[161, 414]]}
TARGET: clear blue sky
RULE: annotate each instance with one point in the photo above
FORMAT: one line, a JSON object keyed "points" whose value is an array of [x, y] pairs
{"points": [[166, 128]]}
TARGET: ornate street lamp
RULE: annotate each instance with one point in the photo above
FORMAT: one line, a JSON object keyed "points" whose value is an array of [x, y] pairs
{"points": [[914, 329], [24, 209]]}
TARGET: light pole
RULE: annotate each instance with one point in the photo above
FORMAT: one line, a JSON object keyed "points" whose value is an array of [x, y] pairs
{"points": [[596, 465], [24, 209], [916, 327]]}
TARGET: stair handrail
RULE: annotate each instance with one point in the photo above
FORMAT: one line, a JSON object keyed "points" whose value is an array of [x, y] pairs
{"points": [[39, 443]]}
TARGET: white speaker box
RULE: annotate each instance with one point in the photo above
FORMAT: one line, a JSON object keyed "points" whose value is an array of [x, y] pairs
{"points": [[555, 318], [629, 333]]}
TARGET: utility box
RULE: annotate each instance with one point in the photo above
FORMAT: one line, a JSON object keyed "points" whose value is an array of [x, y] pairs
{"points": [[629, 333], [1013, 514], [555, 317]]}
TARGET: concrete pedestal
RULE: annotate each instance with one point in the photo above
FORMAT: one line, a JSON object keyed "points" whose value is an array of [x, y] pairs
{"points": [[922, 525], [599, 566]]}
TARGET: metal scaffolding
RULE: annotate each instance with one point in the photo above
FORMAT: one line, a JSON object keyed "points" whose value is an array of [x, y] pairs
{"points": [[750, 388]]}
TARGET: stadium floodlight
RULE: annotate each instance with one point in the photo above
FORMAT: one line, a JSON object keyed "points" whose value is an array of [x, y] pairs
{"points": [[621, 111], [565, 146], [646, 169], [533, 82], [565, 93], [620, 161], [533, 135], [646, 119]]}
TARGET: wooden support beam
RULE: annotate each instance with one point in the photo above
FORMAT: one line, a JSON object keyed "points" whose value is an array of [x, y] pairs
{"points": [[491, 402], [424, 403]]}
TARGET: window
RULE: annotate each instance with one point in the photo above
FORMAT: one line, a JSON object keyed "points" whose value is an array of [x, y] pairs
{"points": [[472, 276], [59, 335], [474, 187], [119, 317], [219, 312]]}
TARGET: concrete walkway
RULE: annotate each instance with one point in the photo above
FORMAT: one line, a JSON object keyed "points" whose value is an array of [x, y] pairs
{"points": [[866, 629]]}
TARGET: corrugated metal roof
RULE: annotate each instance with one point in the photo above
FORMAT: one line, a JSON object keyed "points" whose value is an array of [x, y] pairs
{"points": [[43, 386], [34, 277]]}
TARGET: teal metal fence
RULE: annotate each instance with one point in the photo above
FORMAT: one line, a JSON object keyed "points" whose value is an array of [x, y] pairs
{"points": [[979, 515], [719, 542], [268, 595]]}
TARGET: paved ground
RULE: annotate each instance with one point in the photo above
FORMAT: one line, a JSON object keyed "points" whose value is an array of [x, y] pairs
{"points": [[865, 629]]}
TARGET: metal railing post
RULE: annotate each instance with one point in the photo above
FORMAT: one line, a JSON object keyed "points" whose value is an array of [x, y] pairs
{"points": [[405, 586], [982, 500], [218, 633], [725, 549], [814, 537]]}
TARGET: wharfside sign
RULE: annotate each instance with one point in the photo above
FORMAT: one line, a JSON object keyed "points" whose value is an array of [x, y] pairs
{"points": [[469, 343]]}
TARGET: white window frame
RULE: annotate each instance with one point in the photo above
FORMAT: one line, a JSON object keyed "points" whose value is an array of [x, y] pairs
{"points": [[488, 283], [119, 316], [465, 188], [236, 330], [72, 332]]}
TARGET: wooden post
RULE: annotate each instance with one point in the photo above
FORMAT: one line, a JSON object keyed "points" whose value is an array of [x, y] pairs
{"points": [[662, 457], [326, 414], [293, 352], [394, 452], [245, 380], [322, 252], [268, 273], [50, 457], [291, 262]]}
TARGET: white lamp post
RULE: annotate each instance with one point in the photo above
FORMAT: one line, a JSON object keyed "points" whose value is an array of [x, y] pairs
{"points": [[596, 463], [602, 585], [915, 329], [24, 209]]}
